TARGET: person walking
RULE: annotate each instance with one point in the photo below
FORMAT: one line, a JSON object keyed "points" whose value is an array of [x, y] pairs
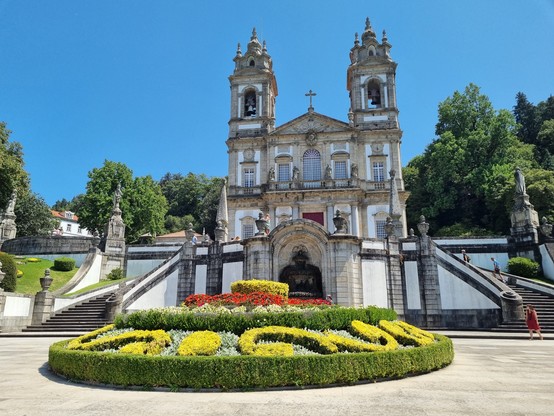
{"points": [[465, 256], [532, 321], [496, 268]]}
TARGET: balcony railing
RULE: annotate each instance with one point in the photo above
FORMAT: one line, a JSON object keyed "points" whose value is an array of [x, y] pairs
{"points": [[328, 184]]}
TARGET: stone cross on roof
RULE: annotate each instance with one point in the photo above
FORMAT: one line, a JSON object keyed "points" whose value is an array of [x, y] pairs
{"points": [[310, 94]]}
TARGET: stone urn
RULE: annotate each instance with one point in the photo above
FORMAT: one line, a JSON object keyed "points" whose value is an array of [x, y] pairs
{"points": [[340, 223], [261, 224], [46, 281]]}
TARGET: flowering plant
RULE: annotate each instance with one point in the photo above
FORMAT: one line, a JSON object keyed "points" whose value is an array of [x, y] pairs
{"points": [[251, 299]]}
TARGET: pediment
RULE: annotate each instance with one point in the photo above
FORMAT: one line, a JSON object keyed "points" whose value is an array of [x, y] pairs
{"points": [[312, 123]]}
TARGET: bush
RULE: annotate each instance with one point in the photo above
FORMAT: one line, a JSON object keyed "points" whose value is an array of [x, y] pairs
{"points": [[10, 269], [240, 372], [267, 286], [64, 264], [115, 274], [521, 266], [19, 273], [185, 320]]}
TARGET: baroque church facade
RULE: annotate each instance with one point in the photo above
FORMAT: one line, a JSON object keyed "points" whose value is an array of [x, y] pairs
{"points": [[315, 167]]}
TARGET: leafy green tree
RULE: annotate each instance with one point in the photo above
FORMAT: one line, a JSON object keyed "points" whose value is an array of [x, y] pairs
{"points": [[535, 126], [61, 205], [148, 207], [97, 204], [142, 204], [12, 172], [34, 217], [192, 199], [465, 176]]}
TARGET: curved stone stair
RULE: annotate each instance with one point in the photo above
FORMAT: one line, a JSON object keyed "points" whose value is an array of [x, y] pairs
{"points": [[544, 304], [84, 317]]}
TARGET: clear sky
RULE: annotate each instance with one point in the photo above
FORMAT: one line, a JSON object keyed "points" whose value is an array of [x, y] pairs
{"points": [[144, 82]]}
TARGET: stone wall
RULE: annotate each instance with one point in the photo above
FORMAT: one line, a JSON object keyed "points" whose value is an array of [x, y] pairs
{"points": [[60, 245]]}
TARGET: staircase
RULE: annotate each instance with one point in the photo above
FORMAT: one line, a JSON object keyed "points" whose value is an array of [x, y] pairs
{"points": [[544, 304], [83, 317]]}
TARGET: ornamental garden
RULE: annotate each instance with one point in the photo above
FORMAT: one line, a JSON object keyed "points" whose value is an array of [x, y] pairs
{"points": [[255, 337]]}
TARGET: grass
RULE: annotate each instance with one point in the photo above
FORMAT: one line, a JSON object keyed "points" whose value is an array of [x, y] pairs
{"points": [[29, 283], [102, 283]]}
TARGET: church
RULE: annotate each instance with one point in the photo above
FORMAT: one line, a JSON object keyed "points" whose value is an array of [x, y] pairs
{"points": [[314, 165]]}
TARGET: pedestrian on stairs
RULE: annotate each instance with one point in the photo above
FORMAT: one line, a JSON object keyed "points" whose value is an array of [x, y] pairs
{"points": [[496, 267], [532, 321]]}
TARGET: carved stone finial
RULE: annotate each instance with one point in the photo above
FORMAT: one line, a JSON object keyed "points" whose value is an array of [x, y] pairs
{"points": [[356, 40], [254, 34], [367, 24], [46, 281], [384, 36], [423, 226], [239, 52], [340, 223]]}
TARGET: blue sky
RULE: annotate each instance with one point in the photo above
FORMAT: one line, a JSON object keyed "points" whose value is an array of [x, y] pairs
{"points": [[145, 82]]}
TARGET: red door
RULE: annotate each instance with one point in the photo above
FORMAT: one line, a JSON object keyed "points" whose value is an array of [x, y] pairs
{"points": [[314, 216]]}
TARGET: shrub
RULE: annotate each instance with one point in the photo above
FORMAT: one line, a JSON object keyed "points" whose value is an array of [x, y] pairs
{"points": [[319, 319], [19, 273], [240, 372], [10, 269], [115, 274], [524, 267], [64, 264], [266, 286], [32, 260], [200, 343]]}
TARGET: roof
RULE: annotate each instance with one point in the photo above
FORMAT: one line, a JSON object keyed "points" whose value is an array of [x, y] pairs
{"points": [[62, 215]]}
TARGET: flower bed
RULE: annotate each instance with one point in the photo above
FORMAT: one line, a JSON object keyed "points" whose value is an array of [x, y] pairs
{"points": [[251, 299], [260, 354]]}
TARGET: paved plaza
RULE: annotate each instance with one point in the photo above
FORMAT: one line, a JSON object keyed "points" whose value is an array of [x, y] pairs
{"points": [[487, 377]]}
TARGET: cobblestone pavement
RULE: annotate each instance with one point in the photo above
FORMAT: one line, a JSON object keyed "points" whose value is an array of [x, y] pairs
{"points": [[487, 377]]}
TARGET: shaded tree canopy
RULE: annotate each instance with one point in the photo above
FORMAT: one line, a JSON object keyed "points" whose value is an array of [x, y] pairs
{"points": [[191, 198], [12, 172], [536, 126], [464, 180], [34, 217]]}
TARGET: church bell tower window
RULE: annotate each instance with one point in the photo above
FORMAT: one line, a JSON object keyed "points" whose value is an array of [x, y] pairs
{"points": [[250, 104], [373, 94]]}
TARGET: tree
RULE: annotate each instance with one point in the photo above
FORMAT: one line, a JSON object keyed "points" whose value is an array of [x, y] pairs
{"points": [[148, 206], [465, 176], [192, 199], [535, 127], [12, 172], [34, 217], [142, 204]]}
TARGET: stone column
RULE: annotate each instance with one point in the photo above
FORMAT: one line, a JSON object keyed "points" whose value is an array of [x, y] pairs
{"points": [[330, 224], [355, 223], [187, 272], [429, 278], [214, 272], [44, 301]]}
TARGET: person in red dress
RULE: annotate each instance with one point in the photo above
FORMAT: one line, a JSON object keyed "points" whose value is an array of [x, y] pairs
{"points": [[532, 321]]}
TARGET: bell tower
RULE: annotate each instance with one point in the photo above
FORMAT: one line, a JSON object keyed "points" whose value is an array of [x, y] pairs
{"points": [[371, 83], [253, 91]]}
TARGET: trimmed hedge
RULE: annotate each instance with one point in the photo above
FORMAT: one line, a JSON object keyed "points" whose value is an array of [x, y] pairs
{"points": [[524, 267], [267, 286], [64, 264], [323, 319], [240, 372], [10, 269]]}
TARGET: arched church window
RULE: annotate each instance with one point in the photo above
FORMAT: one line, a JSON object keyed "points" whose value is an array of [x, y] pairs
{"points": [[252, 63], [311, 163], [250, 103], [373, 94]]}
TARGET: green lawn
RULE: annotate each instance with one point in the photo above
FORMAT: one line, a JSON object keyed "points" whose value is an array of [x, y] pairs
{"points": [[29, 283]]}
